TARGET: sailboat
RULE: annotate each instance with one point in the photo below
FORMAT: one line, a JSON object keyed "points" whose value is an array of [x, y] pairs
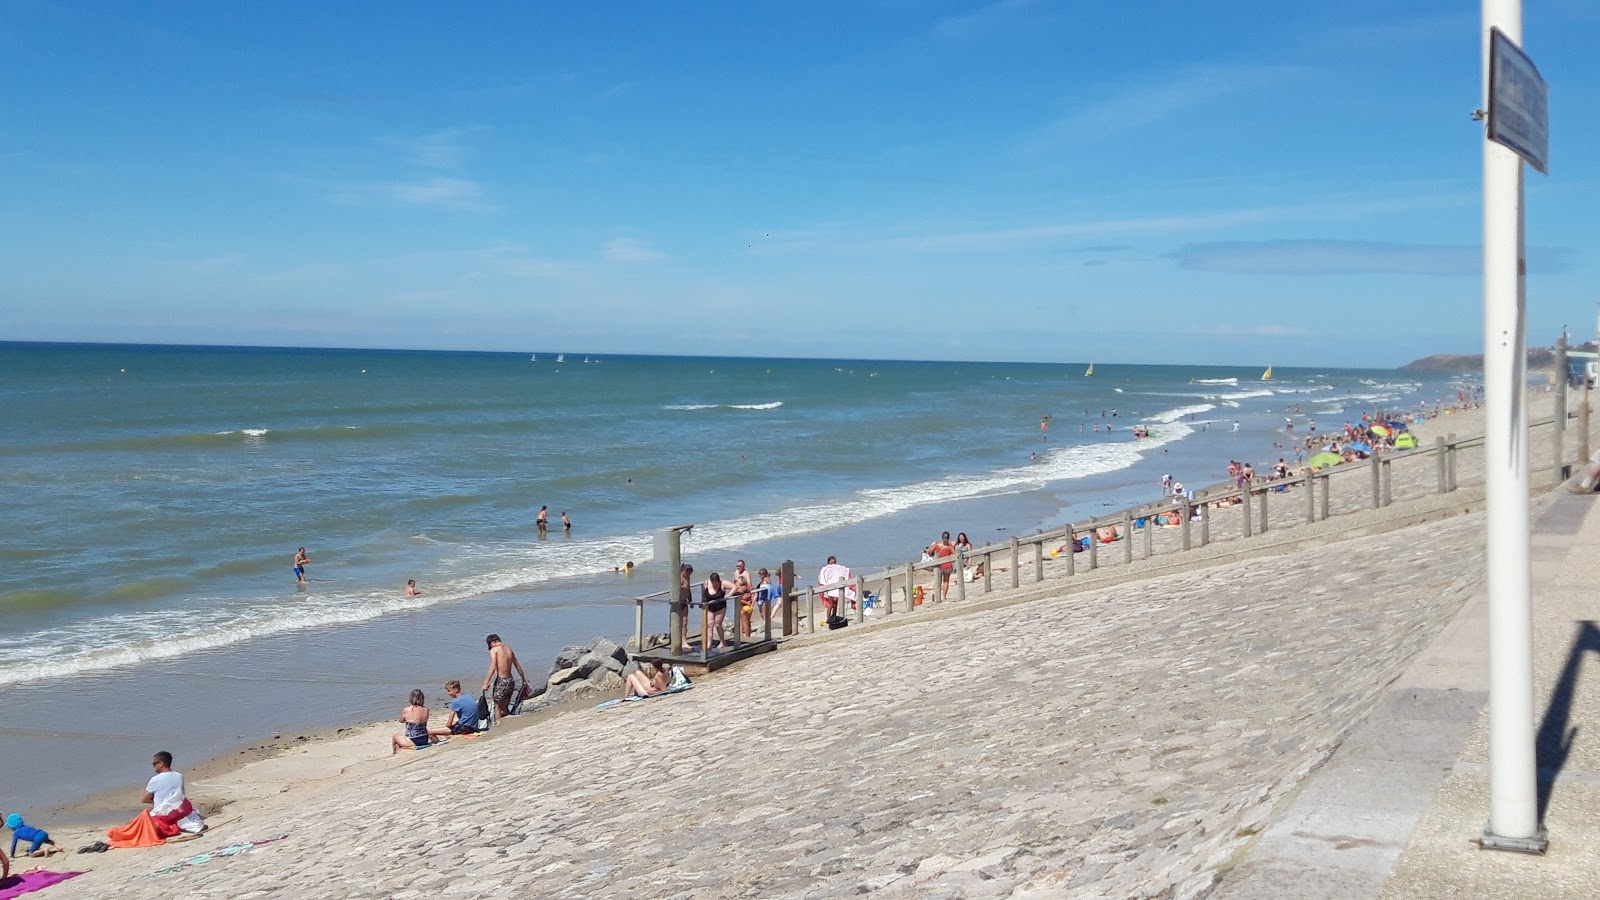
{"points": [[1267, 375], [533, 358], [561, 357], [1089, 371]]}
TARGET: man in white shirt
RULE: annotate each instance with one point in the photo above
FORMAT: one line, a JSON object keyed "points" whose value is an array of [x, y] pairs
{"points": [[832, 573], [169, 807]]}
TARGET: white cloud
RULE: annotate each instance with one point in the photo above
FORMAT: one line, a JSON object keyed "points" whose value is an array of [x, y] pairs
{"points": [[459, 193], [630, 250], [444, 149]]}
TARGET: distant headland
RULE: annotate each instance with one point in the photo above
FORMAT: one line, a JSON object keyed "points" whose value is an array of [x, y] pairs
{"points": [[1538, 358]]}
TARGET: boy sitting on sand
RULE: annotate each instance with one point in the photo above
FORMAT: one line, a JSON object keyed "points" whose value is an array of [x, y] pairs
{"points": [[37, 839]]}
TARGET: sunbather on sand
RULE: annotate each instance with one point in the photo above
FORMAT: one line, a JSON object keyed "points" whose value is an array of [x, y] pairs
{"points": [[415, 719], [643, 685]]}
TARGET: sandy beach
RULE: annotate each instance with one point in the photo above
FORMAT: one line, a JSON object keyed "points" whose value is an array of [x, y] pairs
{"points": [[1115, 734]]}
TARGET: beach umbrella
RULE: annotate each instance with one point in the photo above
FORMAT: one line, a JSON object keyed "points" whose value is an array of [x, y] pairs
{"points": [[1397, 426], [1324, 459], [1360, 447], [1381, 430]]}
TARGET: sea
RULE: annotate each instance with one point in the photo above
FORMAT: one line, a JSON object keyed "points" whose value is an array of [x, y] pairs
{"points": [[154, 497]]}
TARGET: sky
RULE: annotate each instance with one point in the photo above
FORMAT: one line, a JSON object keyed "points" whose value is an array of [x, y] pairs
{"points": [[1178, 182]]}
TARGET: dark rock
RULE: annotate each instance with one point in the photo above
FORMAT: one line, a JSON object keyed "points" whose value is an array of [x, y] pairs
{"points": [[568, 657], [608, 647]]}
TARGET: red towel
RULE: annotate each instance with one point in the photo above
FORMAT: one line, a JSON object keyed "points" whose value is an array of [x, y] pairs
{"points": [[167, 822], [141, 832]]}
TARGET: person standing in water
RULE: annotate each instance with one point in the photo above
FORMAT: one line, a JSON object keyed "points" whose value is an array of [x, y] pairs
{"points": [[543, 521], [566, 523], [300, 560]]}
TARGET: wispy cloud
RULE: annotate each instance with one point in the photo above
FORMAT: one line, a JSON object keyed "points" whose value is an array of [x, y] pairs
{"points": [[967, 26], [1328, 257], [1011, 237], [1261, 329], [445, 149], [1132, 106], [516, 261], [458, 193], [629, 250]]}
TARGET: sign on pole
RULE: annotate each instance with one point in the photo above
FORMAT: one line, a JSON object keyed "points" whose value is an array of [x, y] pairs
{"points": [[1519, 102]]}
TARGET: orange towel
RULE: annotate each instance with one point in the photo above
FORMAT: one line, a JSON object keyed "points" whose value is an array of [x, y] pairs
{"points": [[141, 832]]}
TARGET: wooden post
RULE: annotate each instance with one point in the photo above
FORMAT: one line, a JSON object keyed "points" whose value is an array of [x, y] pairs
{"points": [[1038, 560], [786, 596], [911, 585], [1372, 476], [1444, 465], [638, 627], [1245, 495], [1388, 480], [811, 609], [705, 633], [1205, 524], [1016, 574], [1094, 548], [1583, 425], [988, 567], [861, 601], [1311, 498], [961, 576], [1262, 529], [1558, 473], [1072, 545], [1149, 535], [1185, 510], [1127, 538], [1450, 445]]}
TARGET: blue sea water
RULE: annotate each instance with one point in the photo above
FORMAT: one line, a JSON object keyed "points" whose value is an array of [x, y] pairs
{"points": [[153, 498]]}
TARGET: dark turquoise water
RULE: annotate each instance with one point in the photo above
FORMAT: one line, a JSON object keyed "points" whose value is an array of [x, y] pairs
{"points": [[154, 496]]}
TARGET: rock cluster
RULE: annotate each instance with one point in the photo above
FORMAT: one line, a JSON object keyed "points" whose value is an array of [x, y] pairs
{"points": [[583, 671]]}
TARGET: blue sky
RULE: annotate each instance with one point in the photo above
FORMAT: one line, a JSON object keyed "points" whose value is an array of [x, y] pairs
{"points": [[1187, 182]]}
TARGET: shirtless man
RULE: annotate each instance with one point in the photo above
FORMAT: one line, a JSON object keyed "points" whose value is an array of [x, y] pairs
{"points": [[543, 521], [502, 659], [566, 523]]}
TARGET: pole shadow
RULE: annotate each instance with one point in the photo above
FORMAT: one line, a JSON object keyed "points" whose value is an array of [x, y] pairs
{"points": [[1556, 734]]}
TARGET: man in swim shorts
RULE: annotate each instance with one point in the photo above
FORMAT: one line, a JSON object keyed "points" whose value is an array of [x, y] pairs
{"points": [[502, 659], [300, 560], [543, 520]]}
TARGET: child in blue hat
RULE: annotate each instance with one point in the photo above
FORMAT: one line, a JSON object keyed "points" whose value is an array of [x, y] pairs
{"points": [[21, 831]]}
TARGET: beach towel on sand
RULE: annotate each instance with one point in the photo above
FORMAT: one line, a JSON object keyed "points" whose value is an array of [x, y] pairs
{"points": [[618, 702], [141, 832], [28, 882]]}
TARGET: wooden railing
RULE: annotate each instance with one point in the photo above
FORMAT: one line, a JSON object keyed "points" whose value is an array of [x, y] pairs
{"points": [[1250, 506]]}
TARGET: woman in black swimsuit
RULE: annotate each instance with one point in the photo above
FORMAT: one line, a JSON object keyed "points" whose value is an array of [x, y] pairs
{"points": [[715, 597]]}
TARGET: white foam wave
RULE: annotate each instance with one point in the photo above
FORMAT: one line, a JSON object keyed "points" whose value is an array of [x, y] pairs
{"points": [[1216, 381], [1244, 395], [208, 623], [693, 406], [255, 432]]}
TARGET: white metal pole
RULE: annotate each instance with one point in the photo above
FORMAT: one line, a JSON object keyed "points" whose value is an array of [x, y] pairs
{"points": [[1513, 799]]}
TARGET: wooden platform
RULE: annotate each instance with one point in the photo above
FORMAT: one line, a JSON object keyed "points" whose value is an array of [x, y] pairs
{"points": [[694, 665]]}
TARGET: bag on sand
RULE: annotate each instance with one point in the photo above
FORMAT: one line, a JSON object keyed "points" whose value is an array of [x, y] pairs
{"points": [[483, 710], [836, 622]]}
